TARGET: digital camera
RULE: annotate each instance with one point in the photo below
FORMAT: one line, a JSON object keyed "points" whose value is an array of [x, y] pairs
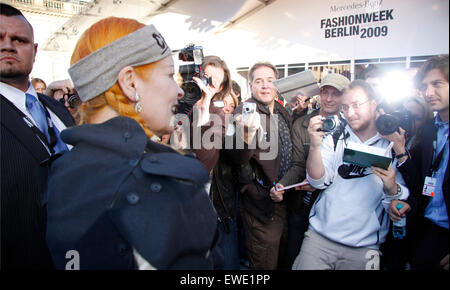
{"points": [[332, 125], [192, 92], [395, 117], [72, 99], [247, 110]]}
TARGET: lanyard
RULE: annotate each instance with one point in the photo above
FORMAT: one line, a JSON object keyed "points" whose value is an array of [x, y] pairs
{"points": [[51, 131], [41, 136], [438, 159]]}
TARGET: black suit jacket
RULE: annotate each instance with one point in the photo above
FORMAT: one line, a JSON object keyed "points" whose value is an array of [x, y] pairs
{"points": [[415, 170], [23, 218]]}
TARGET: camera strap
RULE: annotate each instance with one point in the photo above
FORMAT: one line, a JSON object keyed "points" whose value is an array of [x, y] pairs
{"points": [[437, 161], [51, 130], [336, 135]]}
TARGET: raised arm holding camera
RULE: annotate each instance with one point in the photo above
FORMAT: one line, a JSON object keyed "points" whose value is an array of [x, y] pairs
{"points": [[64, 92], [205, 80], [264, 126], [300, 200]]}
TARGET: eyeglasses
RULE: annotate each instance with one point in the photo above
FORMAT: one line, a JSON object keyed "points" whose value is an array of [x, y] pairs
{"points": [[355, 106]]}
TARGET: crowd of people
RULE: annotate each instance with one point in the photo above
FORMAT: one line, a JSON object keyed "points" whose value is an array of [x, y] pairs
{"points": [[103, 171]]}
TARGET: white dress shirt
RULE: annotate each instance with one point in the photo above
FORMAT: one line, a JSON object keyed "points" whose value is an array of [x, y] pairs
{"points": [[17, 97]]}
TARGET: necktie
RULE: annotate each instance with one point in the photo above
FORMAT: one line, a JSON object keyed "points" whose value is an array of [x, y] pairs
{"points": [[37, 111], [60, 145]]}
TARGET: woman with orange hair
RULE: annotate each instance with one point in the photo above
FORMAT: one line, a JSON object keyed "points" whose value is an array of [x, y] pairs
{"points": [[118, 200]]}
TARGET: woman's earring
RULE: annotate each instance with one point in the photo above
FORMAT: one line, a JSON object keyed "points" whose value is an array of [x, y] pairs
{"points": [[138, 106]]}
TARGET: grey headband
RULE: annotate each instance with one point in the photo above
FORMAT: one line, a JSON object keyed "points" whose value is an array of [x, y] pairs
{"points": [[97, 72]]}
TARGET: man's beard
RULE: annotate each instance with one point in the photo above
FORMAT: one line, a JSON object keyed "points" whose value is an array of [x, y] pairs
{"points": [[362, 127], [11, 74]]}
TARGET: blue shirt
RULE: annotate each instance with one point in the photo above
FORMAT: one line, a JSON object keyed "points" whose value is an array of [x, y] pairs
{"points": [[436, 210]]}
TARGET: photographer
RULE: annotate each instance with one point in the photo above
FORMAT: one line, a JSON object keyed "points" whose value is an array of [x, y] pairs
{"points": [[220, 87], [63, 91], [137, 204], [213, 84], [215, 100], [262, 121], [349, 219], [299, 201]]}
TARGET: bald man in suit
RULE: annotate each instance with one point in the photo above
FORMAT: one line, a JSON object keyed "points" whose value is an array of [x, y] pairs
{"points": [[25, 144]]}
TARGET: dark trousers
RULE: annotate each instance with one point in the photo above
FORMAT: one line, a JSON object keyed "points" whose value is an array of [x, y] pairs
{"points": [[263, 240], [431, 246], [298, 222], [229, 244], [397, 252], [297, 226]]}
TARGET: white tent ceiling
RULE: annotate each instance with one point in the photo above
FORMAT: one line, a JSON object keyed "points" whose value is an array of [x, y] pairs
{"points": [[245, 31]]}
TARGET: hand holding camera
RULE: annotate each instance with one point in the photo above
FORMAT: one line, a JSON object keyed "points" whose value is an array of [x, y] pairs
{"points": [[63, 91], [398, 136], [248, 109], [204, 102], [193, 55], [316, 132], [331, 125], [248, 122], [61, 87]]}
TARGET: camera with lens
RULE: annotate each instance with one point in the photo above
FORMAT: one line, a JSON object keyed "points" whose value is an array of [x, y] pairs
{"points": [[332, 125], [395, 116], [72, 99], [192, 92]]}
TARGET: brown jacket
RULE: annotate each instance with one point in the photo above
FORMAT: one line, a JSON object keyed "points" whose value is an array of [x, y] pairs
{"points": [[300, 150], [210, 157], [264, 172]]}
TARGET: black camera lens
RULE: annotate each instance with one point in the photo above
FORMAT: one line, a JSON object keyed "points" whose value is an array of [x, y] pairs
{"points": [[74, 101], [329, 124], [192, 92], [387, 124]]}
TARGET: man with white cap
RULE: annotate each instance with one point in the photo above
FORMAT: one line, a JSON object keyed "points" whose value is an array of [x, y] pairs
{"points": [[299, 201]]}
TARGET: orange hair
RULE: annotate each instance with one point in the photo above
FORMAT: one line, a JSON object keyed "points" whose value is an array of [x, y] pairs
{"points": [[95, 37]]}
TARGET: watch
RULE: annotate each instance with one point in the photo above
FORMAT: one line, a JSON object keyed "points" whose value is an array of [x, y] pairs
{"points": [[406, 153]]}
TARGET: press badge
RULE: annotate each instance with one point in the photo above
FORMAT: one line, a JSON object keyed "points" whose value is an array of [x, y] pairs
{"points": [[429, 186]]}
